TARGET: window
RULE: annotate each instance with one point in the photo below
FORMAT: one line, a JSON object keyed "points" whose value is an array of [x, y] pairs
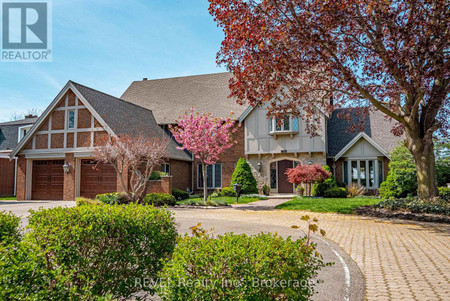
{"points": [[23, 130], [71, 119], [285, 124], [368, 173], [273, 175], [214, 176], [166, 168]]}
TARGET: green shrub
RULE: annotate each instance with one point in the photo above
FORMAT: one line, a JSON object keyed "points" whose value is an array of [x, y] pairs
{"points": [[156, 175], [240, 267], [402, 177], [9, 228], [113, 198], [160, 199], [335, 192], [195, 196], [341, 184], [444, 193], [243, 175], [228, 191], [416, 206], [86, 201], [319, 187], [180, 194], [87, 252]]}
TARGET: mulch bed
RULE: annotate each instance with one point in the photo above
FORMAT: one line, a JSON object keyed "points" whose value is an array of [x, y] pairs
{"points": [[386, 213]]}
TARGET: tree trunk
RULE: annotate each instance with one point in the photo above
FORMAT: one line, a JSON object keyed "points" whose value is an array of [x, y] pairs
{"points": [[205, 183]]}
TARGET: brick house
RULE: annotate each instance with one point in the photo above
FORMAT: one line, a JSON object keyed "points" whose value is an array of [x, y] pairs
{"points": [[10, 135], [79, 117]]}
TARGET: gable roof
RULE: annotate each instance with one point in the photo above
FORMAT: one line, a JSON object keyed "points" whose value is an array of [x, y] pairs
{"points": [[117, 116], [377, 130], [169, 98], [9, 132]]}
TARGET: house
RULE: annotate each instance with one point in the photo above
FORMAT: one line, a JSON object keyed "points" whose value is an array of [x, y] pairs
{"points": [[79, 119], [10, 135]]}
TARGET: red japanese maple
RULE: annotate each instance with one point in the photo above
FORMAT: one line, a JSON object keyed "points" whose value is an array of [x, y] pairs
{"points": [[307, 174], [308, 56]]}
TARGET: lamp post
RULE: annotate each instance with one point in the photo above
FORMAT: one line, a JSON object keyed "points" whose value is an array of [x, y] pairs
{"points": [[237, 187]]}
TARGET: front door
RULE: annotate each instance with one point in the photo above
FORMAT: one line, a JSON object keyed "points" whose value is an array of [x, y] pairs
{"points": [[283, 185]]}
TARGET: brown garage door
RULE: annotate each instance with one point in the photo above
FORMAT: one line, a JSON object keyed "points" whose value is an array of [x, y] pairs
{"points": [[97, 178], [48, 180]]}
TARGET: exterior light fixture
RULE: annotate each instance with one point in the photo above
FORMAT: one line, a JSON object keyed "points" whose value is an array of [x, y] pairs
{"points": [[66, 168], [310, 161], [259, 166]]}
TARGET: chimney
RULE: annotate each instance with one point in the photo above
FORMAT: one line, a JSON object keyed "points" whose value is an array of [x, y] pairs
{"points": [[30, 116], [144, 79]]}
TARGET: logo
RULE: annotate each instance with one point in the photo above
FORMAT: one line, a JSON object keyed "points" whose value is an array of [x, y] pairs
{"points": [[26, 31]]}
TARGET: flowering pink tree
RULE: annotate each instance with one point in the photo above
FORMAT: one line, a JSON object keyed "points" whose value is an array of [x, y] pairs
{"points": [[307, 174], [133, 156], [205, 136]]}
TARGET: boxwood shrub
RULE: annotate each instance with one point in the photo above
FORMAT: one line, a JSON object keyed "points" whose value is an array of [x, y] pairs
{"points": [[9, 228], [335, 192], [87, 252], [240, 267], [228, 191], [444, 193], [180, 194], [160, 199]]}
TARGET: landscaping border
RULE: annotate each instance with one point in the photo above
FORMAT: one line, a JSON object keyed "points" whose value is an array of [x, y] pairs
{"points": [[385, 213]]}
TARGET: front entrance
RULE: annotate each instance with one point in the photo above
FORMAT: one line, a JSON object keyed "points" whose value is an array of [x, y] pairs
{"points": [[47, 180], [97, 178], [283, 185]]}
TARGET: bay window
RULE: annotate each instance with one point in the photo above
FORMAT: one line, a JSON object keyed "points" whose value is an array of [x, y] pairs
{"points": [[213, 173], [365, 172]]}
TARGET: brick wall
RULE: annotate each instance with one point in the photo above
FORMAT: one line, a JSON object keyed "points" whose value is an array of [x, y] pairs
{"points": [[161, 186], [69, 179], [6, 177], [228, 159], [182, 174], [21, 178]]}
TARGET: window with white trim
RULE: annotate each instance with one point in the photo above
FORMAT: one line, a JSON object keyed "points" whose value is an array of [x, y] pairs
{"points": [[365, 172], [213, 176], [71, 119], [285, 124], [23, 130], [165, 168]]}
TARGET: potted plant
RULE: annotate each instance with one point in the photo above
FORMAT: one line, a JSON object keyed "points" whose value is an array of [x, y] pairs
{"points": [[265, 189], [300, 190]]}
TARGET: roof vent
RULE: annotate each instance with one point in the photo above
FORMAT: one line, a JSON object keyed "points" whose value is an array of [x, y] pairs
{"points": [[144, 78]]}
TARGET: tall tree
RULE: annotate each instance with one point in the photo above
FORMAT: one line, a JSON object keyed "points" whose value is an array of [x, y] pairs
{"points": [[388, 55], [206, 137]]}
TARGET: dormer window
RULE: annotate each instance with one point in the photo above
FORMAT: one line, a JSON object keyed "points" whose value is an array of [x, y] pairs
{"points": [[287, 124], [23, 130]]}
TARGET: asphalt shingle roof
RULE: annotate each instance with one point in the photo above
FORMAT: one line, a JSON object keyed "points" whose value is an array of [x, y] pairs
{"points": [[376, 126], [128, 119], [9, 132], [170, 97]]}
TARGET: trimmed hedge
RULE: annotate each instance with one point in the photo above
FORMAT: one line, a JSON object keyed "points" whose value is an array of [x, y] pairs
{"points": [[335, 192], [156, 175], [9, 228], [240, 267], [414, 205], [228, 191], [160, 199], [444, 193], [180, 194], [87, 253], [243, 175]]}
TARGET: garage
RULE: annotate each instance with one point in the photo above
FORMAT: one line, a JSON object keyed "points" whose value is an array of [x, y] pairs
{"points": [[97, 178], [47, 180]]}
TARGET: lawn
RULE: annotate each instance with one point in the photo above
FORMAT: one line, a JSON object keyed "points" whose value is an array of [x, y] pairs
{"points": [[11, 198], [346, 206], [221, 200]]}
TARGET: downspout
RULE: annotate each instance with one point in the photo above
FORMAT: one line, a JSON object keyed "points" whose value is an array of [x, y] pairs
{"points": [[15, 176]]}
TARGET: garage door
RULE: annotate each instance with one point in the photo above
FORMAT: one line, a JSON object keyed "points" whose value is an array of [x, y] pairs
{"points": [[48, 180], [97, 178]]}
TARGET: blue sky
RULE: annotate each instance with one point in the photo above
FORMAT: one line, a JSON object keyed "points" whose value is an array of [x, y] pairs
{"points": [[108, 44]]}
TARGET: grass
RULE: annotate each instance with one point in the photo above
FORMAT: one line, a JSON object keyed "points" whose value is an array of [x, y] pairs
{"points": [[346, 206], [221, 199], [11, 198]]}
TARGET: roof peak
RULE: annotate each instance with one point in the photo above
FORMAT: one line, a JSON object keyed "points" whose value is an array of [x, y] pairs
{"points": [[178, 77]]}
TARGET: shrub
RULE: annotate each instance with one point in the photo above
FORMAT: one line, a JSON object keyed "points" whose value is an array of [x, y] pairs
{"points": [[402, 178], [156, 175], [87, 252], [240, 267], [341, 184], [444, 193], [180, 194], [319, 187], [228, 191], [415, 205], [113, 198], [243, 175], [9, 228], [195, 196], [86, 201], [335, 192], [355, 190], [160, 199]]}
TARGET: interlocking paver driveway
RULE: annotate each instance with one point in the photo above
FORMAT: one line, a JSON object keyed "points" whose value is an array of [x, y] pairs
{"points": [[400, 260]]}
